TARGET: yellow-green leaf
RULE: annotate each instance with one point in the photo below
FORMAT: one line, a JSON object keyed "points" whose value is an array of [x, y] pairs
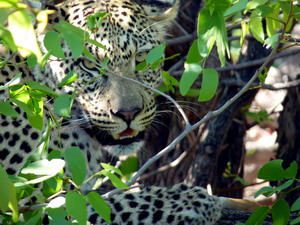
{"points": [[5, 190], [13, 204], [256, 27], [21, 28]]}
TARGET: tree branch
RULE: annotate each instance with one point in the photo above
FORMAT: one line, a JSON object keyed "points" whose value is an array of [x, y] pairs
{"points": [[190, 127], [250, 63]]}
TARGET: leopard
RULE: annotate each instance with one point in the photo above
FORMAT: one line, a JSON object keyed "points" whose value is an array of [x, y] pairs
{"points": [[113, 112]]}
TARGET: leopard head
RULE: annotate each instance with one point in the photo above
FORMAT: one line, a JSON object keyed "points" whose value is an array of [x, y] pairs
{"points": [[117, 110]]}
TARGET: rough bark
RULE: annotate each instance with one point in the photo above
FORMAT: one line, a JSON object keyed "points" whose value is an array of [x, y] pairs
{"points": [[288, 135], [224, 142]]}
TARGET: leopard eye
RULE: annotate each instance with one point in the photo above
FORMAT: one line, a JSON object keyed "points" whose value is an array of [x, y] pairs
{"points": [[89, 64], [141, 56]]}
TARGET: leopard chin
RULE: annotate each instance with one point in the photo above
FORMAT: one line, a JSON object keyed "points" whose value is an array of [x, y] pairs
{"points": [[121, 150]]}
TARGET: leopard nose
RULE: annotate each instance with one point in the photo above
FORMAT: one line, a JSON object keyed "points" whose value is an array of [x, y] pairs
{"points": [[127, 114]]}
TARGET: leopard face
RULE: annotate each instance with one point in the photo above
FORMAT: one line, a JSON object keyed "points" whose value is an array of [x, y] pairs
{"points": [[109, 112], [117, 110]]}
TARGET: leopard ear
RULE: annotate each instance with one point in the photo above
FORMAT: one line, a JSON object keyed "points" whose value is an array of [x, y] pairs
{"points": [[160, 10]]}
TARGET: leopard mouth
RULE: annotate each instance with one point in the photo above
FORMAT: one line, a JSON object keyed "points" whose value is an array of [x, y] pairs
{"points": [[126, 137], [128, 133]]}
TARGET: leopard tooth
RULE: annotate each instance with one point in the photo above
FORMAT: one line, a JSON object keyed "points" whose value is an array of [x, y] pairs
{"points": [[135, 133], [116, 136], [124, 137]]}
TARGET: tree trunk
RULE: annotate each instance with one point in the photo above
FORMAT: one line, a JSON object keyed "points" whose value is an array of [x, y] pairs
{"points": [[224, 144], [289, 135]]}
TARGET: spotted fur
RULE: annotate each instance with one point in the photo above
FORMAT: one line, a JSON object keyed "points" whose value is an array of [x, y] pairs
{"points": [[113, 113]]}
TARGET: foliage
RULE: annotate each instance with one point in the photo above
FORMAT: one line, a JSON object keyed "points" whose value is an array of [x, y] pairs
{"points": [[273, 171], [213, 25]]}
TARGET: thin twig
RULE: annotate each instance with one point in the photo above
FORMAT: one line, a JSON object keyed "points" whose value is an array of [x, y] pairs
{"points": [[249, 63], [190, 128]]}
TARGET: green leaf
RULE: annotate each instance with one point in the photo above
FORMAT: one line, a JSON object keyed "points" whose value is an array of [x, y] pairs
{"points": [[12, 82], [295, 221], [76, 163], [169, 80], [111, 168], [272, 171], [13, 204], [96, 43], [291, 172], [41, 87], [18, 182], [272, 41], [280, 212], [258, 217], [100, 206], [5, 190], [91, 22], [296, 205], [75, 43], [65, 26], [213, 5], [256, 26], [63, 104], [210, 81], [211, 29], [36, 120], [44, 167], [142, 66], [76, 207], [272, 23], [115, 180], [285, 185], [129, 166], [265, 10], [255, 3], [88, 54], [51, 187], [155, 53], [236, 7], [57, 216], [55, 154], [8, 3], [52, 43], [266, 191], [31, 60], [34, 219], [190, 74], [7, 109], [68, 79], [193, 54], [7, 38]]}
